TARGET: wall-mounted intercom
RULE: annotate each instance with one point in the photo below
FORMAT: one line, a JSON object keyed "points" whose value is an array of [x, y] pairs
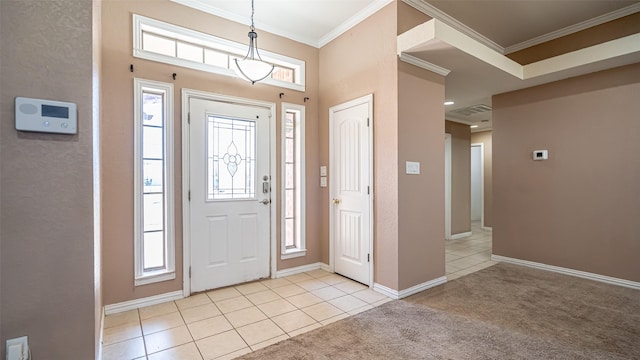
{"points": [[46, 116]]}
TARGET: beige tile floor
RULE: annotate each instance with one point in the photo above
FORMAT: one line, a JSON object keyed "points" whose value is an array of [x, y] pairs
{"points": [[470, 254], [229, 322]]}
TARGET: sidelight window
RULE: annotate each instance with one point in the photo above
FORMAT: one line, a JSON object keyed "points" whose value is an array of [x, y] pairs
{"points": [[293, 214], [153, 177]]}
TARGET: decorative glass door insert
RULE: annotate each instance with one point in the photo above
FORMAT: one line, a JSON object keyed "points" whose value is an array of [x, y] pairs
{"points": [[231, 158]]}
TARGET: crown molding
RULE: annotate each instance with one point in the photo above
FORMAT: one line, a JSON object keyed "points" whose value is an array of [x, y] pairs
{"points": [[317, 43], [409, 59], [599, 20], [352, 21], [435, 13], [205, 7]]}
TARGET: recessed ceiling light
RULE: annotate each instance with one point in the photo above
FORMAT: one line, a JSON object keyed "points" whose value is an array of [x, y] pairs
{"points": [[474, 126], [447, 103]]}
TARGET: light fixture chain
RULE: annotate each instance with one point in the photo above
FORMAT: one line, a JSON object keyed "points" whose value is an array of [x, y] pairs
{"points": [[253, 28]]}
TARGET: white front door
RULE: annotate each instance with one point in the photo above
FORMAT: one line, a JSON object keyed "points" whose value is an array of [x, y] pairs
{"points": [[229, 193], [351, 188]]}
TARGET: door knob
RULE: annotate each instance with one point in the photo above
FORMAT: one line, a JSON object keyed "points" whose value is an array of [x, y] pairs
{"points": [[335, 201], [265, 201]]}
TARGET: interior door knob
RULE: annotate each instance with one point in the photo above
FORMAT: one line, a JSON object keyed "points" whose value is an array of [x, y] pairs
{"points": [[335, 201], [265, 201]]}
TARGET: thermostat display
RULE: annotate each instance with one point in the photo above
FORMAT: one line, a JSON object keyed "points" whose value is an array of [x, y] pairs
{"points": [[46, 116]]}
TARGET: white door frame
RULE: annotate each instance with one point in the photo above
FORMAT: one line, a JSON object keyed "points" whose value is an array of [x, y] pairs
{"points": [[188, 94], [481, 145], [447, 186], [367, 99]]}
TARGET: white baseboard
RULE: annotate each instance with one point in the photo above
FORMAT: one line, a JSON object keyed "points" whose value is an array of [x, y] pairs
{"points": [[101, 337], [395, 294], [488, 228], [301, 269], [572, 272], [326, 267], [138, 303], [460, 235]]}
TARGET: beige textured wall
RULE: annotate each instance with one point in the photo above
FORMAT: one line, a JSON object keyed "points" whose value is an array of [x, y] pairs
{"points": [[420, 197], [117, 132], [580, 208], [460, 176], [484, 137], [46, 206], [346, 74]]}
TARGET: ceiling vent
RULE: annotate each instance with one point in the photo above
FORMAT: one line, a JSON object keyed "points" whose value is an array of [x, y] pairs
{"points": [[472, 110]]}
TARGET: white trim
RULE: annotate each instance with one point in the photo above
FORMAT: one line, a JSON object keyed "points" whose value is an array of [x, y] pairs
{"points": [[171, 31], [155, 277], [301, 269], [317, 43], [300, 188], [186, 216], [409, 59], [460, 235], [434, 32], [436, 13], [352, 21], [101, 335], [387, 291], [241, 19], [139, 303], [572, 29], [394, 294], [367, 99], [567, 271], [293, 253], [168, 273], [481, 145], [488, 228], [447, 186]]}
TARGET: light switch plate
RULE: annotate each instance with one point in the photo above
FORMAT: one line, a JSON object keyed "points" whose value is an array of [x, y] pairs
{"points": [[323, 171], [540, 154], [323, 181], [413, 167]]}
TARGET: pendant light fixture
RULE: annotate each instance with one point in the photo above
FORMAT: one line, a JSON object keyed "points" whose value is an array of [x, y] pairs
{"points": [[251, 67]]}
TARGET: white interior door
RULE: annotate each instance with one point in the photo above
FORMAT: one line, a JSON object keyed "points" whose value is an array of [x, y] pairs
{"points": [[351, 180], [229, 193]]}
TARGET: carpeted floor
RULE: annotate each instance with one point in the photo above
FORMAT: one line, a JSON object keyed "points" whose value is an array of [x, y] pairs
{"points": [[502, 312]]}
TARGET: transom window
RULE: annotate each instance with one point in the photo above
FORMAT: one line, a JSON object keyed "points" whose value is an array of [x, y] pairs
{"points": [[153, 203], [163, 42], [293, 229]]}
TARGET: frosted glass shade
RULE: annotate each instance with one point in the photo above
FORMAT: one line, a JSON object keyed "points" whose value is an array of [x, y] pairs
{"points": [[253, 70]]}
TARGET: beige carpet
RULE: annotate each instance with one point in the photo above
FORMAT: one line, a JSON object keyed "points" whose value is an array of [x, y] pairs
{"points": [[502, 312]]}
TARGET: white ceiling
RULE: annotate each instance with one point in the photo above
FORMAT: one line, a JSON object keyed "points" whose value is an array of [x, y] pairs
{"points": [[502, 25], [312, 22]]}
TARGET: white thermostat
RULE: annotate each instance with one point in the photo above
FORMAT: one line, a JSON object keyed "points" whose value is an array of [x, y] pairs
{"points": [[540, 154], [46, 116]]}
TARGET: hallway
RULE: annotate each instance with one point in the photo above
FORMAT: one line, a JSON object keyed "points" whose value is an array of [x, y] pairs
{"points": [[470, 254]]}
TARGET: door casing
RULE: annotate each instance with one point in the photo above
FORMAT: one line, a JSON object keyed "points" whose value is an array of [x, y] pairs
{"points": [[186, 216], [367, 99], [481, 146], [447, 186]]}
